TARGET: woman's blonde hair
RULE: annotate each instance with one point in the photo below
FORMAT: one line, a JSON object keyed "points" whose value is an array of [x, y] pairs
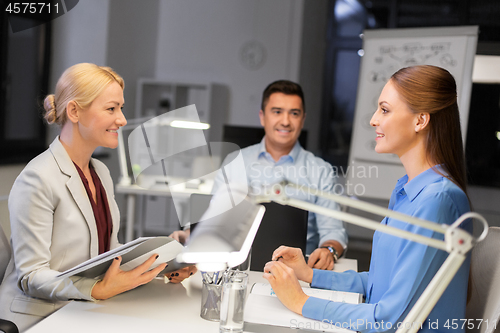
{"points": [[81, 83]]}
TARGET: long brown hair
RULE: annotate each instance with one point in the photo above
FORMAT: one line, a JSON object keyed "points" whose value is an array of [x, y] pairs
{"points": [[433, 89]]}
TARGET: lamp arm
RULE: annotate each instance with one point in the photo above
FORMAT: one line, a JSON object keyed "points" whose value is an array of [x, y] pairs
{"points": [[364, 222], [365, 206], [454, 236]]}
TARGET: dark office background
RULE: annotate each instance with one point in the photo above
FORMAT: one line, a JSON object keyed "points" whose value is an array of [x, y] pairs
{"points": [[24, 78], [347, 20], [25, 59]]}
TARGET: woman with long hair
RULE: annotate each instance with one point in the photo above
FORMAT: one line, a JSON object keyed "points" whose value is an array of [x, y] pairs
{"points": [[417, 118], [62, 206]]}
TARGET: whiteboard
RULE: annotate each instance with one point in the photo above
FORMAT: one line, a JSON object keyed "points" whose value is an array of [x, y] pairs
{"points": [[385, 51]]}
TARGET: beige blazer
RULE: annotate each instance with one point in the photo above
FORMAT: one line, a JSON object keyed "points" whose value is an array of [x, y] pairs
{"points": [[53, 229]]}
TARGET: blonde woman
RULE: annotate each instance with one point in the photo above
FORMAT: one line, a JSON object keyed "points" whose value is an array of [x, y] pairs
{"points": [[62, 206]]}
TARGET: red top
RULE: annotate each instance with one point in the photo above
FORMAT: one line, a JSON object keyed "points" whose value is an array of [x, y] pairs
{"points": [[100, 208]]}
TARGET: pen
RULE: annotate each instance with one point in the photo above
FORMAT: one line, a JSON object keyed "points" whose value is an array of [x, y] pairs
{"points": [[277, 259]]}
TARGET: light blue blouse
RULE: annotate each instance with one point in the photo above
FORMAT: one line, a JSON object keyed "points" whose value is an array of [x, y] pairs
{"points": [[300, 167], [401, 269]]}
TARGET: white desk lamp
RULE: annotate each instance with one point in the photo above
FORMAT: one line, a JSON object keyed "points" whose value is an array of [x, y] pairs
{"points": [[457, 242], [225, 235]]}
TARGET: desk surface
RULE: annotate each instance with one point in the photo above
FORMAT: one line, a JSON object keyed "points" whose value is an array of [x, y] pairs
{"points": [[155, 306]]}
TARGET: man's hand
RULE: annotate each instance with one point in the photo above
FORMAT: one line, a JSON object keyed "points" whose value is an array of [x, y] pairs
{"points": [[181, 274], [181, 235], [322, 258]]}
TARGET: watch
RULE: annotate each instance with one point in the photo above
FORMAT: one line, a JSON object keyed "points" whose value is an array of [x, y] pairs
{"points": [[332, 250]]}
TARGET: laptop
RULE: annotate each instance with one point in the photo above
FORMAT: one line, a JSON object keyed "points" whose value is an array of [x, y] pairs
{"points": [[281, 225]]}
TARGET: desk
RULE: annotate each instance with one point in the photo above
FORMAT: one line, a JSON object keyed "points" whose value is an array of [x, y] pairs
{"points": [[179, 190], [156, 307]]}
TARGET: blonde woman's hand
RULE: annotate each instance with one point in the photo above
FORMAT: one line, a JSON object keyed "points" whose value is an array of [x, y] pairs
{"points": [[116, 281]]}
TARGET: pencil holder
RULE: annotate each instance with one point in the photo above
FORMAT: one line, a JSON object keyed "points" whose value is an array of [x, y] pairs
{"points": [[210, 301]]}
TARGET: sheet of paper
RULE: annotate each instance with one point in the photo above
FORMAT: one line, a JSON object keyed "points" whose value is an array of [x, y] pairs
{"points": [[270, 311], [331, 295], [165, 253]]}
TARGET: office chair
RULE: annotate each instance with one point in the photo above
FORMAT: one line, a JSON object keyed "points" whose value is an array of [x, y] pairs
{"points": [[485, 277], [6, 326]]}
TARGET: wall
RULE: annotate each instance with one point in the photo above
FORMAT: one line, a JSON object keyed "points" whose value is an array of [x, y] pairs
{"points": [[132, 43], [80, 35], [189, 40], [204, 40], [200, 42], [131, 52]]}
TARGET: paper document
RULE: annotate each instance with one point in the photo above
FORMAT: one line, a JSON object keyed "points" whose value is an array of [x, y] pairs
{"points": [[133, 254], [263, 307], [331, 295]]}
